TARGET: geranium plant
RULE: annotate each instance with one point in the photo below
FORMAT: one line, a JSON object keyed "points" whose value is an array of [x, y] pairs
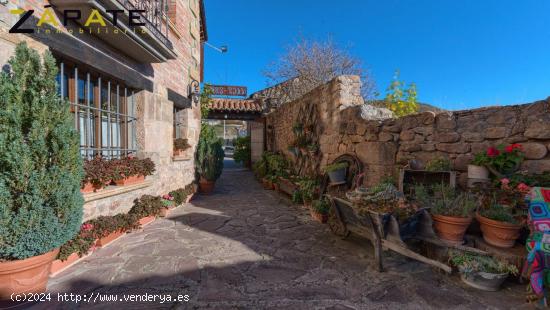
{"points": [[501, 160]]}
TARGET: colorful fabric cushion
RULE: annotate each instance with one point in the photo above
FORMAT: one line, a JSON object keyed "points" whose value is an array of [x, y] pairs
{"points": [[538, 243], [540, 194]]}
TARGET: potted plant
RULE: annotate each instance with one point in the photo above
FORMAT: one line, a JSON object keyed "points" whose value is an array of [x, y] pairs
{"points": [[40, 199], [451, 211], [182, 195], [438, 164], [109, 228], [96, 175], [169, 204], [130, 170], [477, 169], [308, 188], [180, 146], [209, 159], [482, 272], [146, 209], [502, 161], [74, 249], [242, 151], [319, 210], [337, 172], [500, 218]]}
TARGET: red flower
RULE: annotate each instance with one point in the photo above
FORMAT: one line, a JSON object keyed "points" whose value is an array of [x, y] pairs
{"points": [[86, 227], [509, 149], [492, 152], [522, 187]]}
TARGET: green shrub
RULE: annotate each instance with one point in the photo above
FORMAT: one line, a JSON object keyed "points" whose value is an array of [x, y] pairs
{"points": [[40, 200], [321, 206], [104, 225], [439, 164], [469, 262], [146, 205], [242, 150], [181, 194], [209, 157]]}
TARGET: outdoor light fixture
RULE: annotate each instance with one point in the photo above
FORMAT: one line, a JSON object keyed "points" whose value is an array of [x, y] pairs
{"points": [[195, 91], [222, 49]]}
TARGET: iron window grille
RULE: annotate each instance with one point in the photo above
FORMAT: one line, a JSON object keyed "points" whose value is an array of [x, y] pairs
{"points": [[103, 111]]}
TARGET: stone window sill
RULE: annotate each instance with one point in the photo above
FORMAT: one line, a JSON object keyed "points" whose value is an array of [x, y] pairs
{"points": [[115, 190], [181, 158]]}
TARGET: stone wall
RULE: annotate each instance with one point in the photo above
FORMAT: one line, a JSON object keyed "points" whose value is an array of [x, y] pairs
{"points": [[386, 145]]}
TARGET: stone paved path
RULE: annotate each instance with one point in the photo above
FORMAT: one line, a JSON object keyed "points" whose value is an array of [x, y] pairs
{"points": [[247, 248]]}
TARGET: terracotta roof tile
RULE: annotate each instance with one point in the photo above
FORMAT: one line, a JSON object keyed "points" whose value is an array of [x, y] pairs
{"points": [[236, 105]]}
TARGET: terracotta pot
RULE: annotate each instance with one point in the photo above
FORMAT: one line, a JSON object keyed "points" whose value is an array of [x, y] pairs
{"points": [[146, 220], [109, 238], [135, 179], [205, 186], [164, 212], [189, 198], [276, 186], [499, 234], [267, 184], [321, 218], [478, 172], [26, 275], [451, 228], [87, 188], [178, 153], [59, 265]]}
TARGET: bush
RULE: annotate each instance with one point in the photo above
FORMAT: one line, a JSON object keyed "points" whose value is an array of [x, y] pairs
{"points": [[146, 206], [104, 225], [321, 206], [181, 144], [40, 200], [180, 195], [242, 150], [209, 157], [130, 166]]}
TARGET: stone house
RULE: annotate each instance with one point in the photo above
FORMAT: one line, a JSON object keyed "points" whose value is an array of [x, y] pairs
{"points": [[131, 70]]}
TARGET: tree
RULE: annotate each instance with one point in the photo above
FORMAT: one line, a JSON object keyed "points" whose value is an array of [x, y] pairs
{"points": [[40, 164], [242, 150], [400, 100], [209, 156], [309, 64]]}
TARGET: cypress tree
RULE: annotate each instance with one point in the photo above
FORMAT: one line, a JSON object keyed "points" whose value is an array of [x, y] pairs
{"points": [[40, 164]]}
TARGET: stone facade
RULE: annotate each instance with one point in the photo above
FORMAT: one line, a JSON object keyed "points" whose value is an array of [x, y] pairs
{"points": [[386, 145], [155, 105]]}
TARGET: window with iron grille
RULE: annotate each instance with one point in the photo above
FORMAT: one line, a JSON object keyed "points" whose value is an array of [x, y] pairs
{"points": [[103, 111]]}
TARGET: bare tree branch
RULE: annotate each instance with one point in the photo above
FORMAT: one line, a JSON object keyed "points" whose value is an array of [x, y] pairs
{"points": [[309, 64]]}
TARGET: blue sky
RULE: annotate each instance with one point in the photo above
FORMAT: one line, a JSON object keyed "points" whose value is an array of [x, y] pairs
{"points": [[461, 54]]}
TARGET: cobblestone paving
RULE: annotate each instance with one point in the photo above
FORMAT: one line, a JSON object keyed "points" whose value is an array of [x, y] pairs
{"points": [[246, 248]]}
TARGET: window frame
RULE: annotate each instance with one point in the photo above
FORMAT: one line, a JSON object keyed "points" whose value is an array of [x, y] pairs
{"points": [[122, 117]]}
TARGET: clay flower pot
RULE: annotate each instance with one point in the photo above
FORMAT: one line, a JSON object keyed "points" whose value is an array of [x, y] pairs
{"points": [[451, 228], [267, 184], [146, 220], [135, 179], [26, 275], [189, 198], [164, 211], [499, 234], [60, 265], [103, 241], [205, 186], [319, 217]]}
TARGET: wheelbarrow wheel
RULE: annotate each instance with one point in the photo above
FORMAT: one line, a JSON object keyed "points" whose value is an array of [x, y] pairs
{"points": [[336, 226]]}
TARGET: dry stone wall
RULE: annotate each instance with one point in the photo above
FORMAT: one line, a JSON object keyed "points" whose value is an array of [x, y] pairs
{"points": [[386, 145]]}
